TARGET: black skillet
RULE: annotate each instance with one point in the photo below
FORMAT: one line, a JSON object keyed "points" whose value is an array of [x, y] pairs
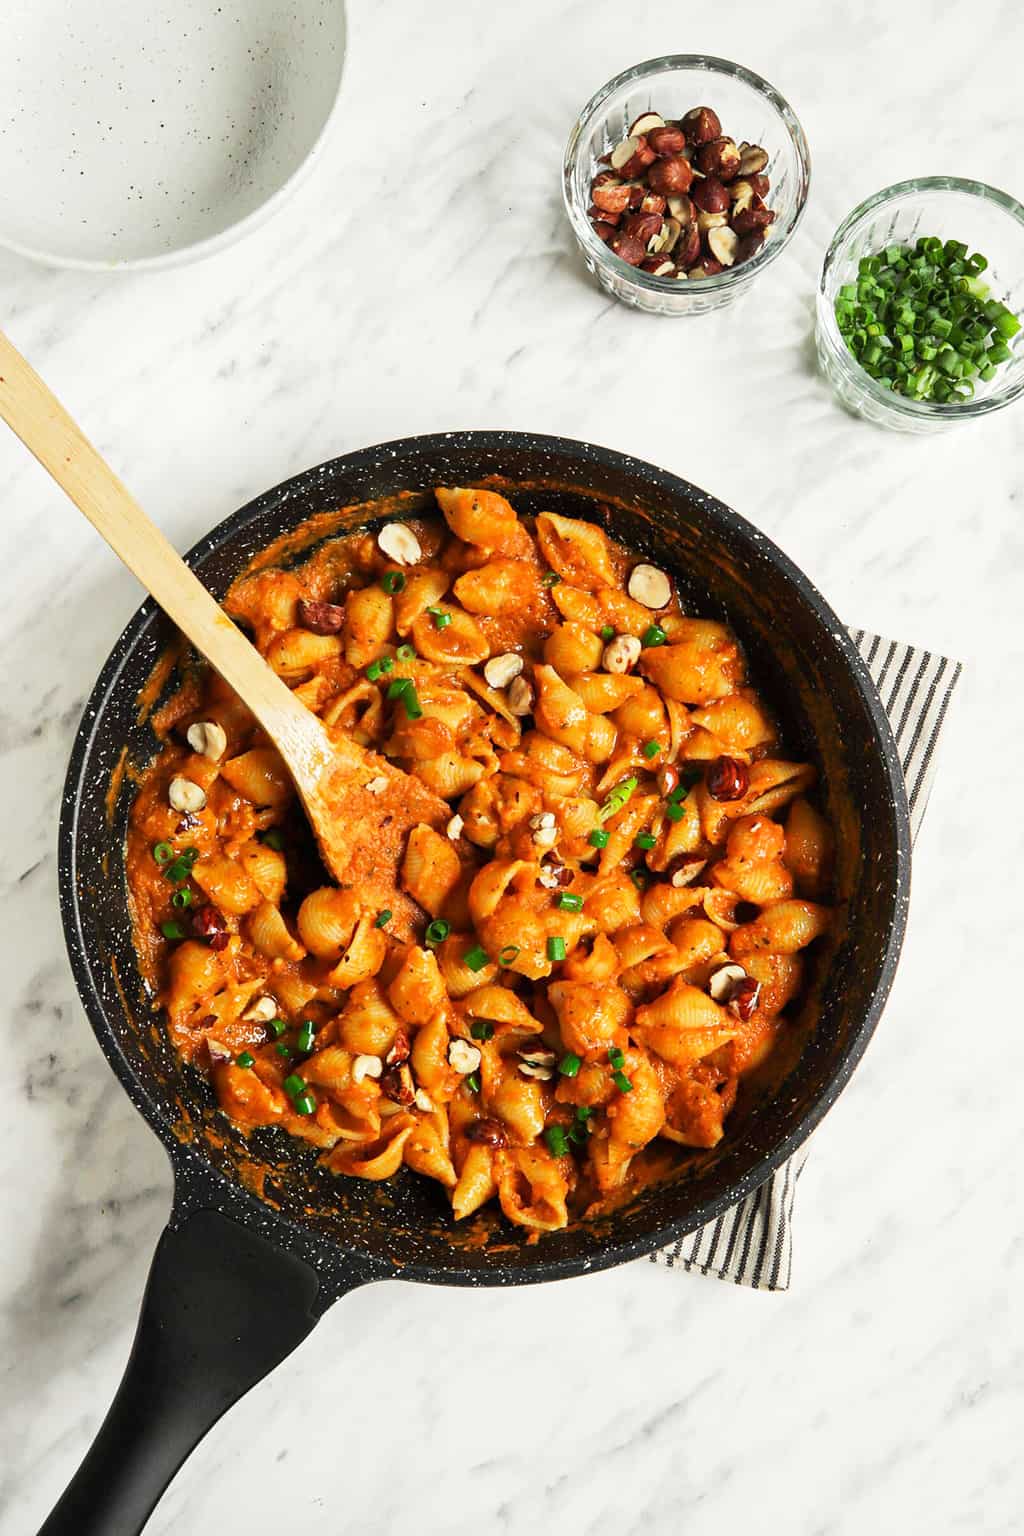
{"points": [[239, 1280]]}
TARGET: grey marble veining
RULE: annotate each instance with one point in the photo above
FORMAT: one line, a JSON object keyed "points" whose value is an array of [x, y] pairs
{"points": [[421, 280]]}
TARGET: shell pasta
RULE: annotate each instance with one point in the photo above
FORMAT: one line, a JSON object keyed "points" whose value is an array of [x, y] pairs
{"points": [[609, 936]]}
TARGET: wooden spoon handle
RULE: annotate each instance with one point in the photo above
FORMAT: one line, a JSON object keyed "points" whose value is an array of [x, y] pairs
{"points": [[46, 429]]}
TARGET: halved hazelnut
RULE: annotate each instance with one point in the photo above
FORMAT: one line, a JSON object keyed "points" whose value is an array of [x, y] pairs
{"points": [[538, 1063], [603, 230], [219, 1053], [645, 123], [723, 981], [637, 191], [366, 1066], [749, 246], [686, 871], [664, 242], [760, 184], [621, 654], [643, 225], [423, 1101], [669, 176], [613, 197], [643, 157], [742, 194], [320, 618], [598, 215], [649, 586], [688, 250], [623, 152], [701, 125], [544, 829], [706, 267], [465, 1058], [667, 140], [658, 266], [261, 1011], [500, 670], [400, 544], [398, 1086], [711, 195], [183, 795], [752, 159], [720, 158], [519, 697], [652, 202], [681, 207], [746, 995], [708, 221], [377, 785], [627, 248], [722, 244], [209, 739], [752, 218]]}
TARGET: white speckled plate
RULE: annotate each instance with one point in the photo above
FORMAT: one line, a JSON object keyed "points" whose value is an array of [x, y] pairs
{"points": [[140, 135]]}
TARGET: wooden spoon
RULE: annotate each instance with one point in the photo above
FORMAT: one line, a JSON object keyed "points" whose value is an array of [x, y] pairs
{"points": [[360, 806]]}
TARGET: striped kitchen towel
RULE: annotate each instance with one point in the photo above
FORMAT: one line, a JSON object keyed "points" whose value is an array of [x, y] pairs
{"points": [[752, 1243]]}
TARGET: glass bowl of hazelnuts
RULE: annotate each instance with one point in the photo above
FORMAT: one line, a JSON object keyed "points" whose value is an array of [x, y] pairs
{"points": [[683, 178]]}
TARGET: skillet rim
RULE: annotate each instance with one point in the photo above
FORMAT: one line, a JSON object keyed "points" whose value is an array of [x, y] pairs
{"points": [[196, 1178]]}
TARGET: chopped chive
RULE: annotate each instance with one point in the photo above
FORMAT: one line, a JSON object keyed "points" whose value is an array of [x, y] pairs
{"points": [[398, 687], [651, 748], [622, 1082], [440, 618], [172, 930], [245, 1059], [598, 838], [304, 1043], [616, 1057], [182, 898], [476, 958], [274, 838], [277, 1028], [406, 652], [655, 635], [472, 1082], [392, 582], [675, 810], [569, 903], [437, 932], [162, 852], [481, 1029], [644, 840], [304, 1104], [508, 954], [380, 667], [607, 631], [550, 579], [178, 870], [570, 1064], [383, 918], [294, 1084], [411, 703], [556, 948], [282, 1049], [617, 798], [555, 1137]]}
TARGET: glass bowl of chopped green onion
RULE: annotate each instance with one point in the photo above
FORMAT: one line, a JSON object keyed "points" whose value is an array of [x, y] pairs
{"points": [[919, 304]]}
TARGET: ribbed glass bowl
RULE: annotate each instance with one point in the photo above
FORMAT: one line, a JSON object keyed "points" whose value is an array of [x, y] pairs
{"points": [[749, 108], [988, 221]]}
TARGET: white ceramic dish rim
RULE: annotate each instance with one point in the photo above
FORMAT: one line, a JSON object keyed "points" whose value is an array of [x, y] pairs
{"points": [[211, 244]]}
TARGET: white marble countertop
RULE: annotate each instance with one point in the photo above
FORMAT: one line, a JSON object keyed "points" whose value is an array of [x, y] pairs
{"points": [[884, 1391]]}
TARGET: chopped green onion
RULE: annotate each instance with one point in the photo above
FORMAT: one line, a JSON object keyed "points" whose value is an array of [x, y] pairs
{"points": [[304, 1104], [380, 667], [570, 1064], [245, 1059], [607, 631], [294, 1084], [481, 1029], [556, 948], [172, 930], [282, 1049], [598, 839], [162, 852], [406, 652], [674, 810], [550, 579], [622, 1082], [639, 877], [383, 918], [617, 799], [398, 688], [437, 932], [304, 1043], [476, 958], [277, 1028], [616, 1056], [508, 954], [178, 870], [274, 838], [555, 1137], [392, 582], [440, 618], [645, 840], [472, 1082], [411, 703], [651, 748], [583, 1112], [182, 898], [655, 635], [569, 903]]}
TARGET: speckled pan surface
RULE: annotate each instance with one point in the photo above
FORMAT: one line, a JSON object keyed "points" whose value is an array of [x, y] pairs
{"points": [[801, 655]]}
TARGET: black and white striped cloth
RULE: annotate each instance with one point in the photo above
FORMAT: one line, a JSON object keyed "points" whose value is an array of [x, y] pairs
{"points": [[752, 1243]]}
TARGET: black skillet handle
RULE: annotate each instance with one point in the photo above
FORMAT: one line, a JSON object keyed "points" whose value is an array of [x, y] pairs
{"points": [[222, 1307]]}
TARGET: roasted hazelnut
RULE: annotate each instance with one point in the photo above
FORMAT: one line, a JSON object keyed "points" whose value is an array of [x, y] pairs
{"points": [[627, 247], [706, 267], [710, 195], [709, 221], [746, 221], [701, 125], [744, 998], [652, 202], [719, 158], [321, 618], [748, 246], [399, 1051], [599, 216], [688, 250], [641, 160], [669, 176], [602, 230], [486, 1133], [643, 225], [753, 159], [645, 123], [728, 779], [664, 242], [722, 244], [611, 197], [760, 185], [681, 207], [637, 192], [658, 266], [398, 1086], [667, 141], [623, 151]]}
